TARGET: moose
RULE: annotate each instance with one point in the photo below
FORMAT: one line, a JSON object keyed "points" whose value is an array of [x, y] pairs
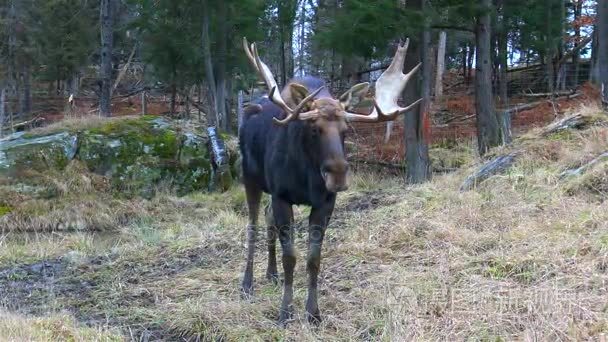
{"points": [[292, 146]]}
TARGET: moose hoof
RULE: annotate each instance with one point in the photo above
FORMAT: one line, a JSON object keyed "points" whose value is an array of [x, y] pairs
{"points": [[247, 291], [314, 317], [285, 315]]}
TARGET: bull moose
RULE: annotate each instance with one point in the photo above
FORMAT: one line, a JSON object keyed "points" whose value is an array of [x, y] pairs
{"points": [[292, 145]]}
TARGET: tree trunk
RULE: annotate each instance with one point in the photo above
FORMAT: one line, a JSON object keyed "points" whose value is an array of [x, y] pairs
{"points": [[239, 109], [2, 107], [144, 103], [464, 62], [173, 97], [495, 60], [220, 66], [440, 64], [417, 128], [74, 84], [561, 68], [550, 48], [286, 16], [283, 72], [11, 83], [488, 131], [503, 81], [594, 73], [578, 11], [503, 117], [26, 88], [229, 93], [471, 50], [187, 105], [199, 101], [602, 27], [212, 118], [107, 42], [302, 40]]}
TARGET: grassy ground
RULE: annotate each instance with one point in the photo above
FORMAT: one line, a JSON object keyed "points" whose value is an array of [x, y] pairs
{"points": [[524, 256]]}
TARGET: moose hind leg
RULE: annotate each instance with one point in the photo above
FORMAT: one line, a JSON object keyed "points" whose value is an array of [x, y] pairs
{"points": [[254, 195], [272, 233], [283, 219]]}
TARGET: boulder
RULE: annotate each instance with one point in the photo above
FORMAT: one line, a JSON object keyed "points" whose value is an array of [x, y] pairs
{"points": [[21, 152], [137, 155]]}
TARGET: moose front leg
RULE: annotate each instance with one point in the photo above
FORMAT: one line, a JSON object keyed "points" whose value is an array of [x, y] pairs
{"points": [[318, 220], [283, 220]]}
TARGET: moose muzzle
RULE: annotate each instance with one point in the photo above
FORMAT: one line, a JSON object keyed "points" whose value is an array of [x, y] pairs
{"points": [[335, 175]]}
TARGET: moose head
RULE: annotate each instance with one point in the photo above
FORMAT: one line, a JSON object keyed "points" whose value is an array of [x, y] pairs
{"points": [[328, 117]]}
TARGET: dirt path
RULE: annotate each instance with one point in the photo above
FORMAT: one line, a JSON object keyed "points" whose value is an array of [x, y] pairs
{"points": [[85, 289]]}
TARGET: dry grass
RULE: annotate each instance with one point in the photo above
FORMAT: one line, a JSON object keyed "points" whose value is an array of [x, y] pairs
{"points": [[522, 257], [76, 124], [57, 328]]}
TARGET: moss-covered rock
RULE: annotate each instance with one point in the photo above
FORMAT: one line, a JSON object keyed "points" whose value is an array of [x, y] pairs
{"points": [[138, 155], [19, 152]]}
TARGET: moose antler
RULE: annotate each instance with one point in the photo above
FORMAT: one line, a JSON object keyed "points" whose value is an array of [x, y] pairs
{"points": [[388, 90], [275, 96]]}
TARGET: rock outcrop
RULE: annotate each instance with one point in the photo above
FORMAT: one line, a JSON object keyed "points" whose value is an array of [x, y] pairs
{"points": [[137, 155]]}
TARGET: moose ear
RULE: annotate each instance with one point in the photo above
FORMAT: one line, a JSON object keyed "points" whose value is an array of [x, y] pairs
{"points": [[294, 94], [354, 95], [298, 92]]}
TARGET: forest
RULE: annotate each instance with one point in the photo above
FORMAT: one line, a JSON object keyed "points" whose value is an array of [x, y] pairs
{"points": [[192, 49], [130, 192]]}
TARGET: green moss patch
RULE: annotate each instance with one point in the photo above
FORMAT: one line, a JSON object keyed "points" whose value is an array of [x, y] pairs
{"points": [[5, 210]]}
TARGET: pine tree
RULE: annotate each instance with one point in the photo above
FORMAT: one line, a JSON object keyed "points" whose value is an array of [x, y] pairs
{"points": [[64, 35]]}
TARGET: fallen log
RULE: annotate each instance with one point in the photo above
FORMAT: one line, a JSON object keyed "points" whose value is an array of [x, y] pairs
{"points": [[576, 121], [28, 122], [395, 166], [450, 86], [523, 107], [489, 169], [581, 170], [460, 118], [527, 106], [556, 94]]}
